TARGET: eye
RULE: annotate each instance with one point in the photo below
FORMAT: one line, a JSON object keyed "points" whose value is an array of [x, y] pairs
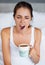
{"points": [[18, 17], [26, 18]]}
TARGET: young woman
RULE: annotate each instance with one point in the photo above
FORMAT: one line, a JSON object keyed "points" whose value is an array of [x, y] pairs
{"points": [[22, 32]]}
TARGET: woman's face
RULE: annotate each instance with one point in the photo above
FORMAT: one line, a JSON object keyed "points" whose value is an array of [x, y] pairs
{"points": [[22, 18]]}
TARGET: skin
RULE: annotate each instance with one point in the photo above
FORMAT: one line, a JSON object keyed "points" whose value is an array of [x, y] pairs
{"points": [[22, 17], [0, 33]]}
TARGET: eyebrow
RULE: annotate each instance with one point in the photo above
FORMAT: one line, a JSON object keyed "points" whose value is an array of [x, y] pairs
{"points": [[20, 15]]}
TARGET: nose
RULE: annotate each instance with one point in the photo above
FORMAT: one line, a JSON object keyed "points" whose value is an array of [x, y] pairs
{"points": [[22, 20]]}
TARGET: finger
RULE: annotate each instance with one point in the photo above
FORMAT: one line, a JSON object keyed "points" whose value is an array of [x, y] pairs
{"points": [[30, 46]]}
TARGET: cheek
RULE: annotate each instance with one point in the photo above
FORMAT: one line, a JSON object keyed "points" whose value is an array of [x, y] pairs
{"points": [[27, 22], [17, 21]]}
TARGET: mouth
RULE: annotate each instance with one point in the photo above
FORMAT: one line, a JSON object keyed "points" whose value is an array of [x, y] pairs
{"points": [[22, 27]]}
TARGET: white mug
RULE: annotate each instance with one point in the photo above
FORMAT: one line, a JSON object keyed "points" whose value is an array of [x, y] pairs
{"points": [[24, 50]]}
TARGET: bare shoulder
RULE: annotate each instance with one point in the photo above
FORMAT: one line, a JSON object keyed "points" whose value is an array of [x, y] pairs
{"points": [[38, 35], [38, 31], [5, 32]]}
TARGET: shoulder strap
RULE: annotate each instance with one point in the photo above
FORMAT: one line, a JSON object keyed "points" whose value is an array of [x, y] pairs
{"points": [[11, 34], [32, 37]]}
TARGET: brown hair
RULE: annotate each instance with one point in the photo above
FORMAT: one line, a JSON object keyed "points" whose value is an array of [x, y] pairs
{"points": [[24, 5]]}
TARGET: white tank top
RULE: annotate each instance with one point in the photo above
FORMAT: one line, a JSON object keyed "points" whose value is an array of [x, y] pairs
{"points": [[15, 57]]}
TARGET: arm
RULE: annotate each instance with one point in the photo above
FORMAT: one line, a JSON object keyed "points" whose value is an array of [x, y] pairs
{"points": [[6, 46], [35, 51]]}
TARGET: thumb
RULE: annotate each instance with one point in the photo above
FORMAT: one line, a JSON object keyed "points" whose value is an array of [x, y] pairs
{"points": [[30, 46]]}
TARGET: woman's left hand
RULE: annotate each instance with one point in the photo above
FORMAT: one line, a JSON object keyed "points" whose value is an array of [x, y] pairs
{"points": [[34, 55]]}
